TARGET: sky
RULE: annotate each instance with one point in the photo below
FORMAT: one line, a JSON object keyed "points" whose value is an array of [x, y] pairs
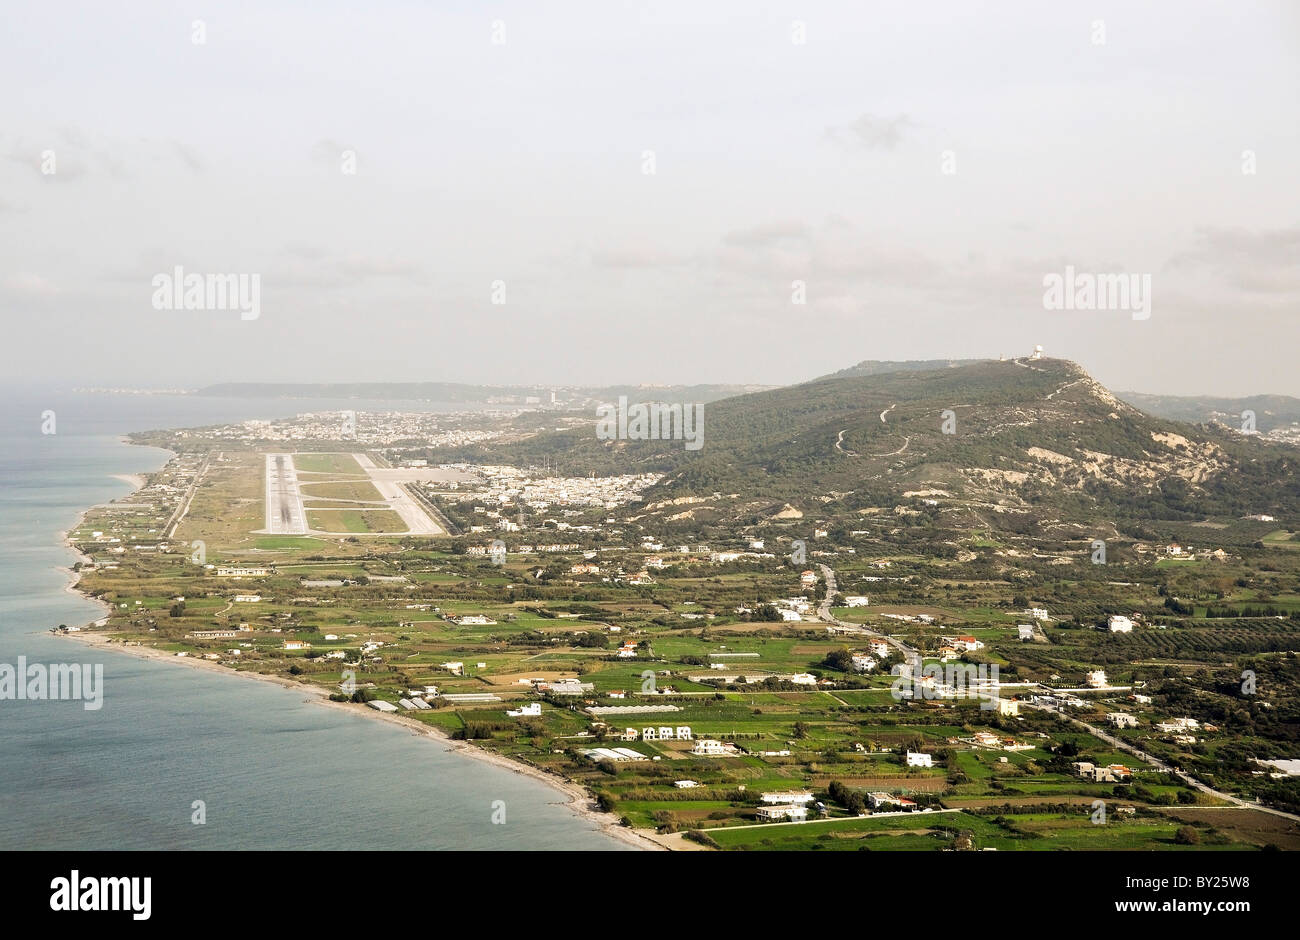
{"points": [[658, 192]]}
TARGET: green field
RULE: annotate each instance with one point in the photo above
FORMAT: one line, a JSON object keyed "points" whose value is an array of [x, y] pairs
{"points": [[288, 542], [348, 489], [326, 463], [355, 520]]}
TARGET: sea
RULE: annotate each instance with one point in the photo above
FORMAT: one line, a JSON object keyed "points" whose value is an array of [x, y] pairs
{"points": [[181, 758]]}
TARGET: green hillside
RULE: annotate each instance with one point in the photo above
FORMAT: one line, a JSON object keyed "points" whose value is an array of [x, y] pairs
{"points": [[1032, 440]]}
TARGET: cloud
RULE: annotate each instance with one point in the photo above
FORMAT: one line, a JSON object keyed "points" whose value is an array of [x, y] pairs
{"points": [[188, 156], [361, 267], [327, 152], [870, 132], [637, 256], [770, 233], [1261, 262], [308, 268], [69, 154], [28, 284], [55, 164]]}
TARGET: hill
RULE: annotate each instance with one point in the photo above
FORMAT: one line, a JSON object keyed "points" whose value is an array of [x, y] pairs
{"points": [[1034, 443], [868, 367]]}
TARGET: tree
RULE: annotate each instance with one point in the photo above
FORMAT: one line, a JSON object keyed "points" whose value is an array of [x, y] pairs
{"points": [[840, 659], [849, 799], [1187, 835]]}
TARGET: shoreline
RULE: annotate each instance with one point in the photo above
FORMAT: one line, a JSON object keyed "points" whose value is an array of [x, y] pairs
{"points": [[578, 801]]}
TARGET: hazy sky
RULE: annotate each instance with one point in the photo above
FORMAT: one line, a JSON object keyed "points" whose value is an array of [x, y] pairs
{"points": [[523, 161]]}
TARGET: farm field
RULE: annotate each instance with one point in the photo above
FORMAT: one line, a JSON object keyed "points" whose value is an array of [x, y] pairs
{"points": [[699, 653]]}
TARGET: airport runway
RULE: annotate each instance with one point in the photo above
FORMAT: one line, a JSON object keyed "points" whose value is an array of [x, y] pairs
{"points": [[388, 482], [285, 514]]}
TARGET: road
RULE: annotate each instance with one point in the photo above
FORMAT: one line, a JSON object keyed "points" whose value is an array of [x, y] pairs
{"points": [[1158, 764], [184, 506], [824, 612]]}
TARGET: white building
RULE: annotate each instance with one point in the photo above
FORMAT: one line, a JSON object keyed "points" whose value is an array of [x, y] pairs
{"points": [[777, 813], [1097, 679], [532, 709], [1038, 613], [917, 759], [789, 797], [706, 747], [1122, 720], [863, 663], [888, 803], [856, 600], [1119, 624]]}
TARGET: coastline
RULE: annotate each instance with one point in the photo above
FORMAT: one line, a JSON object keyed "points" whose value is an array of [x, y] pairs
{"points": [[578, 800]]}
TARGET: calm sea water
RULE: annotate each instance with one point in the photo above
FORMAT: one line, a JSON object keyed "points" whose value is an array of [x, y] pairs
{"points": [[274, 771]]}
